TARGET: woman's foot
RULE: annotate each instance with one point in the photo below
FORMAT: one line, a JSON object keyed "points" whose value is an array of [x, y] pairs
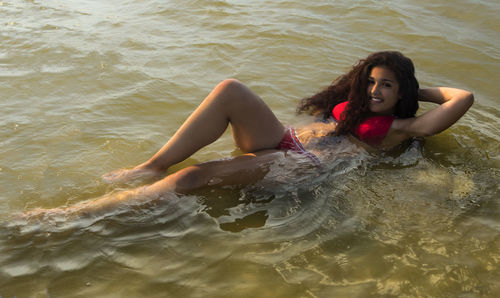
{"points": [[128, 175]]}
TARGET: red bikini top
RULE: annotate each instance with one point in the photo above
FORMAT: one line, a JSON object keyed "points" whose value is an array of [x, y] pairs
{"points": [[372, 130]]}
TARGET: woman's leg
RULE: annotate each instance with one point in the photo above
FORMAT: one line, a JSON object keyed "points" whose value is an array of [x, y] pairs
{"points": [[254, 126], [242, 170], [239, 171]]}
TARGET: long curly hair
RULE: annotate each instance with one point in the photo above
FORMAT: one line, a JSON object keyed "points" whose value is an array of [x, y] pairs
{"points": [[353, 87]]}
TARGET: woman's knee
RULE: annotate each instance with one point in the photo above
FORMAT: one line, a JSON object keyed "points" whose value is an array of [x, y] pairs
{"points": [[231, 85], [189, 179], [235, 91]]}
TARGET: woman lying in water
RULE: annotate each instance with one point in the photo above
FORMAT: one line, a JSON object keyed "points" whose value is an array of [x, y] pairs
{"points": [[375, 101]]}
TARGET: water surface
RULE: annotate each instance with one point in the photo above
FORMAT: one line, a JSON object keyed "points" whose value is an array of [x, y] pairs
{"points": [[88, 87]]}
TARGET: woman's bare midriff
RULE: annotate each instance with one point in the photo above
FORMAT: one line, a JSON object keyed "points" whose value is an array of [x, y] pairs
{"points": [[315, 130]]}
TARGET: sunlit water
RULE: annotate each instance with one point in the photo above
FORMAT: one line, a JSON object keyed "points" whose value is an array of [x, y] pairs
{"points": [[91, 86]]}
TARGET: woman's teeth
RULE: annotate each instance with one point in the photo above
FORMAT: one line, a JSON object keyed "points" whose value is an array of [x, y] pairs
{"points": [[376, 99]]}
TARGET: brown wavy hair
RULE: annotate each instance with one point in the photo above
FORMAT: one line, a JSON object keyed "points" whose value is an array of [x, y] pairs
{"points": [[353, 87]]}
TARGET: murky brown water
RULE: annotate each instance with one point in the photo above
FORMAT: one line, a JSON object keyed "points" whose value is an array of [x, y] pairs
{"points": [[87, 87]]}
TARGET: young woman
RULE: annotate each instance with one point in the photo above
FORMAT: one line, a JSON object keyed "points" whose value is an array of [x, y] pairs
{"points": [[375, 101]]}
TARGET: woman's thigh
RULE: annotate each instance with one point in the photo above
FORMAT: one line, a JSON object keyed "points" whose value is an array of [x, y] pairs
{"points": [[255, 127]]}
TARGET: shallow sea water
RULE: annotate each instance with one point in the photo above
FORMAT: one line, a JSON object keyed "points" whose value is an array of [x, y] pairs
{"points": [[90, 86]]}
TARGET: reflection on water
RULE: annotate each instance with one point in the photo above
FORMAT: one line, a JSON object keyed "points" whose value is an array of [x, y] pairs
{"points": [[89, 87]]}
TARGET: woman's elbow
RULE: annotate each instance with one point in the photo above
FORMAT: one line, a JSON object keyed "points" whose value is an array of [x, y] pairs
{"points": [[469, 99], [466, 103]]}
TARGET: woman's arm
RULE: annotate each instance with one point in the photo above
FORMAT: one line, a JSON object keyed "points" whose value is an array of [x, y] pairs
{"points": [[453, 103]]}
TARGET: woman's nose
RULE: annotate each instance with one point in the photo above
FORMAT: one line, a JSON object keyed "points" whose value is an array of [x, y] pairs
{"points": [[375, 89]]}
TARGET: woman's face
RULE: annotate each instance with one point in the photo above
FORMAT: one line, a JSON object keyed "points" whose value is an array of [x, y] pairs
{"points": [[383, 90]]}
